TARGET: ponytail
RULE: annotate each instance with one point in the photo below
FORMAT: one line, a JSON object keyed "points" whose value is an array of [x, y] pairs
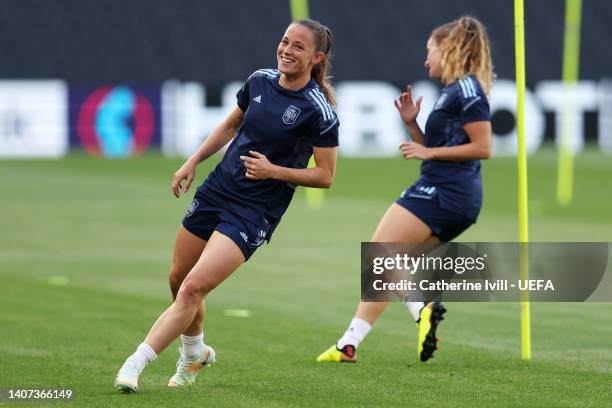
{"points": [[323, 43]]}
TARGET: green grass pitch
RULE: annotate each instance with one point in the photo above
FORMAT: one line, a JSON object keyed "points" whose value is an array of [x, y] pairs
{"points": [[85, 249]]}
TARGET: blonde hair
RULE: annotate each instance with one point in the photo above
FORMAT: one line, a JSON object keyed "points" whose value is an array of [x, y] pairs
{"points": [[323, 43], [466, 50]]}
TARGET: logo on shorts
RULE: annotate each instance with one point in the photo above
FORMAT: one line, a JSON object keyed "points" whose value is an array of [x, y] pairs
{"points": [[291, 115], [260, 238], [192, 208], [421, 191], [427, 189]]}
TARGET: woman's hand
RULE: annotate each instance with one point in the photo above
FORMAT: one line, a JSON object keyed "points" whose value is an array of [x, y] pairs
{"points": [[186, 172], [411, 150], [258, 167], [406, 108]]}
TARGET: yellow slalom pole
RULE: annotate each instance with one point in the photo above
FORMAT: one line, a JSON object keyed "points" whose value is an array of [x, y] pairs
{"points": [[314, 196], [519, 39], [299, 9], [571, 60]]}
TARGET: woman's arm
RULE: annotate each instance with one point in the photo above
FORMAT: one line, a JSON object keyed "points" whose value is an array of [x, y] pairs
{"points": [[258, 167], [213, 143], [479, 147], [219, 136], [409, 111], [416, 134]]}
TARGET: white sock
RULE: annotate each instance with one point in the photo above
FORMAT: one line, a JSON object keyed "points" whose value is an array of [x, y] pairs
{"points": [[193, 346], [415, 309], [144, 355], [355, 333]]}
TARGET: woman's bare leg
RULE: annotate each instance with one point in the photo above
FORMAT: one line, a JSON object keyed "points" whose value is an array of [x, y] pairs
{"points": [[187, 250], [220, 259], [397, 225]]}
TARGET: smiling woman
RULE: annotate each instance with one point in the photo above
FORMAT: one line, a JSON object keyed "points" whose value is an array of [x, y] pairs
{"points": [[282, 118], [290, 55]]}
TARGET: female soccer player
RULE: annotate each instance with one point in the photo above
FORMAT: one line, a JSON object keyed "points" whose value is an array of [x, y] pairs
{"points": [[283, 117], [447, 197]]}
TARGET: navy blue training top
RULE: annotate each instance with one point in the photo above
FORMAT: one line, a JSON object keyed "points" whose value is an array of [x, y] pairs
{"points": [[459, 184], [282, 124]]}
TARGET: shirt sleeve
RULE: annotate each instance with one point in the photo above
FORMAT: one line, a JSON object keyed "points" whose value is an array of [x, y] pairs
{"points": [[473, 103], [242, 97], [326, 131]]}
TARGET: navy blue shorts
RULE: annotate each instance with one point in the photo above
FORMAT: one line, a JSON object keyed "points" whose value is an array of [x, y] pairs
{"points": [[444, 224], [204, 217]]}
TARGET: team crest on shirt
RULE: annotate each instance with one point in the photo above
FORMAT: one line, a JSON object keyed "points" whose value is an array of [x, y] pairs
{"points": [[440, 101], [291, 115], [192, 208]]}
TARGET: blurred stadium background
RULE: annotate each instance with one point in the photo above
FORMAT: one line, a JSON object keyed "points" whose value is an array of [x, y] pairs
{"points": [[105, 98]]}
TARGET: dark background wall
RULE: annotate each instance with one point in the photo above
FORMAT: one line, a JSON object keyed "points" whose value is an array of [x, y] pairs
{"points": [[215, 41]]}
